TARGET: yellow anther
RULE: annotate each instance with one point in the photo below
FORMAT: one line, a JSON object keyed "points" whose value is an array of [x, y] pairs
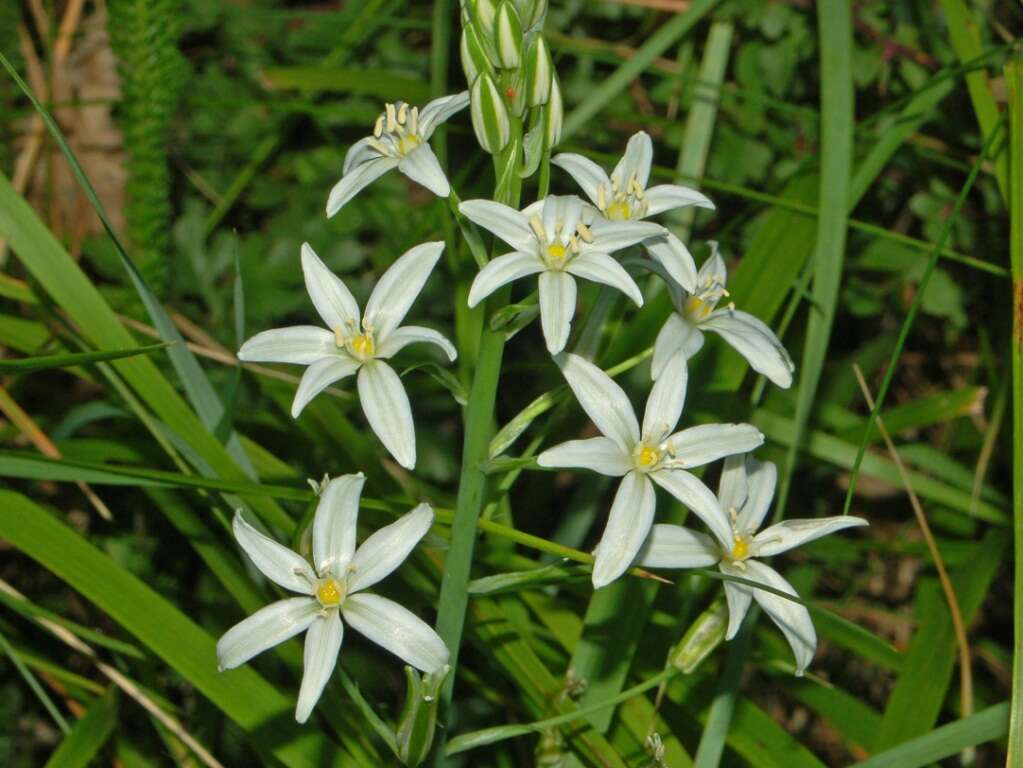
{"points": [[537, 226], [740, 548], [362, 345], [391, 115], [329, 593], [402, 113], [378, 127], [556, 251], [601, 197], [339, 336], [414, 121], [584, 232]]}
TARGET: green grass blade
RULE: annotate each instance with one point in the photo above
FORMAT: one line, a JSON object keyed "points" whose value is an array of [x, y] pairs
{"points": [[946, 741], [660, 41], [48, 362], [89, 734], [242, 694], [1014, 79], [33, 684], [834, 21]]}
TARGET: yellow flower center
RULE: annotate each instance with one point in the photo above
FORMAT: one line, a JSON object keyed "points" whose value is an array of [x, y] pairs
{"points": [[647, 456], [740, 548], [408, 142], [556, 252], [619, 210], [330, 593], [362, 345], [697, 308]]}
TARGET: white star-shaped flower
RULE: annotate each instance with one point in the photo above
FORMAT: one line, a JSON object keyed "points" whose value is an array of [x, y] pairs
{"points": [[400, 140], [332, 588], [553, 237], [352, 343], [655, 454], [695, 312], [624, 196], [745, 495]]}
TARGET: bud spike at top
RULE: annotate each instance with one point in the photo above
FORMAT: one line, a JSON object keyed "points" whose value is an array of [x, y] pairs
{"points": [[539, 73]]}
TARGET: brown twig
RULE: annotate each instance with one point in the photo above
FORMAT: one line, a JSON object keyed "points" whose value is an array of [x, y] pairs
{"points": [[963, 643]]}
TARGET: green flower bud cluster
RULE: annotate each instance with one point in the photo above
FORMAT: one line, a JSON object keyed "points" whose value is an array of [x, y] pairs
{"points": [[509, 69]]}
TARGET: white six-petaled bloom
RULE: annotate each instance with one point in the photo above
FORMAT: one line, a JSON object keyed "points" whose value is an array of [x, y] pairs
{"points": [[655, 453], [695, 312], [553, 238], [624, 196], [744, 496], [352, 343], [332, 588], [400, 140]]}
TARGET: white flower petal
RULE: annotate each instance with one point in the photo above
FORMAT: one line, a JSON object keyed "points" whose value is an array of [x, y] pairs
{"points": [[388, 411], [611, 236], [505, 222], [668, 395], [587, 174], [755, 341], [357, 179], [601, 454], [739, 597], [440, 111], [792, 533], [334, 525], [672, 546], [675, 258], [360, 152], [388, 547], [603, 400], [422, 166], [303, 344], [560, 213], [701, 445], [398, 287], [628, 523], [677, 337], [761, 478], [319, 376], [714, 269], [639, 154], [401, 337], [332, 299], [264, 629], [601, 268], [792, 618], [697, 497], [557, 306], [501, 271], [665, 197], [322, 646], [396, 629], [733, 487], [275, 561]]}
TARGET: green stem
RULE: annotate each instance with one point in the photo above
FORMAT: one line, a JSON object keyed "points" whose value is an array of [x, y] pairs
{"points": [[1014, 80]]}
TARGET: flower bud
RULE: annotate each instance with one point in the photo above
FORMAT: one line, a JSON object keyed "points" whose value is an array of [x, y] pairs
{"points": [[531, 12], [484, 13], [703, 636], [554, 113], [508, 36], [474, 59], [489, 115], [419, 716], [539, 73]]}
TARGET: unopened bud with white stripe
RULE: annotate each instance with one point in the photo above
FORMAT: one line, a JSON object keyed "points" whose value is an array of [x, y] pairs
{"points": [[474, 58], [484, 13], [554, 114], [531, 12], [508, 36], [539, 73], [489, 115]]}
